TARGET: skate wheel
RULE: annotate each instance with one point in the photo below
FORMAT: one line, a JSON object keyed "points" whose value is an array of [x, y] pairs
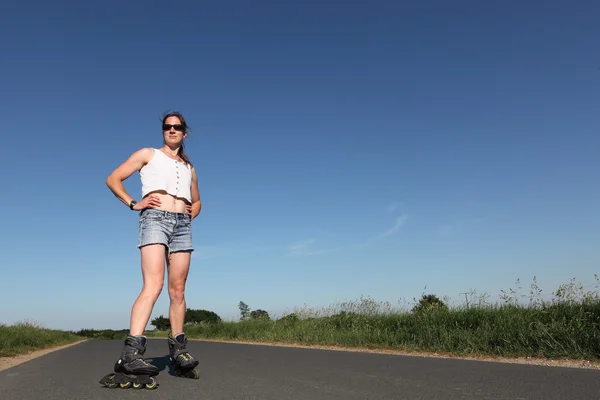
{"points": [[125, 385], [111, 385], [152, 385], [137, 385], [193, 374]]}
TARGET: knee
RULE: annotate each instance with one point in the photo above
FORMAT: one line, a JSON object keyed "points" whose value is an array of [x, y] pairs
{"points": [[176, 292], [153, 289]]}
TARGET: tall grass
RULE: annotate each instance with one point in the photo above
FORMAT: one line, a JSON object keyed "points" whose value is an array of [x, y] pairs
{"points": [[567, 326], [24, 337]]}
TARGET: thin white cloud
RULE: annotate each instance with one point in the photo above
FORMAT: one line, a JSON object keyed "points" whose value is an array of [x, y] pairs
{"points": [[398, 223], [301, 247], [305, 248]]}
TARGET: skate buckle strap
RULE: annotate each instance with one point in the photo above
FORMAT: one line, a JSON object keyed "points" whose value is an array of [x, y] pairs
{"points": [[184, 354], [138, 354], [139, 351], [180, 349]]}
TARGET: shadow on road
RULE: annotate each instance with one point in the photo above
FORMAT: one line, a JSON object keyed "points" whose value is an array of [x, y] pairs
{"points": [[162, 363]]}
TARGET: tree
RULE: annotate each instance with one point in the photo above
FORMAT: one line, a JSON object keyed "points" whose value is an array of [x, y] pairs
{"points": [[244, 309], [259, 314], [293, 317], [191, 316], [161, 323], [429, 302], [197, 316]]}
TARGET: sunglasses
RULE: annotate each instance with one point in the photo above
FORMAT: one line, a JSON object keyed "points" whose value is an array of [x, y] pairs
{"points": [[178, 127]]}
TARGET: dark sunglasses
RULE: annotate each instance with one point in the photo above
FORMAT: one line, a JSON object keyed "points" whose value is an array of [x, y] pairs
{"points": [[178, 127]]}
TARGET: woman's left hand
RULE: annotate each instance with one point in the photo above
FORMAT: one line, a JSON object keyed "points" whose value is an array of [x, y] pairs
{"points": [[188, 208]]}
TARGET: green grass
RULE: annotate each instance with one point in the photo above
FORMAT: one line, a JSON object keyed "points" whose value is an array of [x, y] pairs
{"points": [[565, 327], [25, 337], [103, 334]]}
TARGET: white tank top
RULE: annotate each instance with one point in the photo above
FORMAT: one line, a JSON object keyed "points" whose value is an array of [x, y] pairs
{"points": [[164, 173]]}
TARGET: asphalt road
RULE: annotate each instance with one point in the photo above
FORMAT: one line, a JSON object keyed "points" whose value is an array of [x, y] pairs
{"points": [[237, 371]]}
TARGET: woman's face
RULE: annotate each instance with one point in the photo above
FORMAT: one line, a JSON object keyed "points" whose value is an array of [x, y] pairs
{"points": [[173, 135]]}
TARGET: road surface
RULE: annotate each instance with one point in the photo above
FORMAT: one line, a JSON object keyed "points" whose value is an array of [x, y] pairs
{"points": [[231, 371]]}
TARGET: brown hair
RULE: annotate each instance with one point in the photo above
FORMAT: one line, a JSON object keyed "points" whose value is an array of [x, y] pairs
{"points": [[181, 152]]}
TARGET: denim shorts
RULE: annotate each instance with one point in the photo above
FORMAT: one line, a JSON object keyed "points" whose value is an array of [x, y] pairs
{"points": [[172, 229]]}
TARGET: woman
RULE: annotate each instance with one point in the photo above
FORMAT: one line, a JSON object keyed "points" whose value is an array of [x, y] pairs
{"points": [[170, 201]]}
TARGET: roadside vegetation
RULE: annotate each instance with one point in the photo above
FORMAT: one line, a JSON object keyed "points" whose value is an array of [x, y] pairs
{"points": [[564, 324], [567, 325], [24, 337]]}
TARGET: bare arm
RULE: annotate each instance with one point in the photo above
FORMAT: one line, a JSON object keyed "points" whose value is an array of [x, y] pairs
{"points": [[196, 203], [134, 163]]}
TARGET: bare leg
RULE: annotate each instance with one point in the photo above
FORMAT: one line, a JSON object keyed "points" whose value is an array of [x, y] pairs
{"points": [[184, 364], [153, 271], [179, 265]]}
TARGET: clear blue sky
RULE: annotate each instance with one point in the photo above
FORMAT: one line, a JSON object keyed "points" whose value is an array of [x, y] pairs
{"points": [[368, 149]]}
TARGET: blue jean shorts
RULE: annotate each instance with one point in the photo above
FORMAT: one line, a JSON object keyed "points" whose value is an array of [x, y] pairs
{"points": [[172, 229]]}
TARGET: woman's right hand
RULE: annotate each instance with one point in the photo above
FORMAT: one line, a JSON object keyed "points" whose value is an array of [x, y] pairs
{"points": [[152, 201]]}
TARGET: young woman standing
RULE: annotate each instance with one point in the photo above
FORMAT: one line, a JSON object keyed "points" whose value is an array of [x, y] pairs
{"points": [[170, 201]]}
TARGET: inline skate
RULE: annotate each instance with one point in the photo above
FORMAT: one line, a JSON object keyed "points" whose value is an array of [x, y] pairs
{"points": [[184, 365], [131, 370]]}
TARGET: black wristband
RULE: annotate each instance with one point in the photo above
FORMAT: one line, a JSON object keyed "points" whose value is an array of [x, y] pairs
{"points": [[133, 203]]}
